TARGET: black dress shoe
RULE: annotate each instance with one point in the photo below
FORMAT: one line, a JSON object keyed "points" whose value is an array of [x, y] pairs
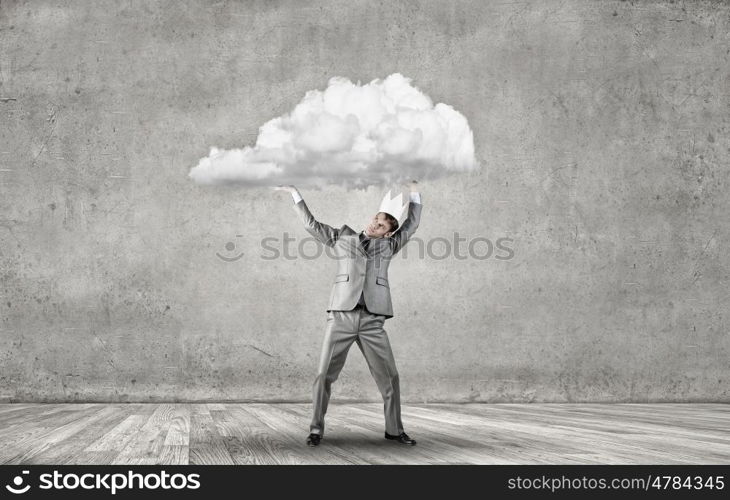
{"points": [[313, 439], [401, 438]]}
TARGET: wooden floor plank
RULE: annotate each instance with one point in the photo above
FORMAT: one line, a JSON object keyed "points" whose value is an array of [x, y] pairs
{"points": [[619, 444], [350, 437], [438, 442], [117, 437], [285, 444], [13, 408], [245, 438], [145, 446], [21, 441], [38, 411], [64, 448], [263, 433], [92, 458], [650, 441], [206, 446], [297, 427]]}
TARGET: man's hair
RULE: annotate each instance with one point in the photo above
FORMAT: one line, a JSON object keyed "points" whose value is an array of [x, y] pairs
{"points": [[392, 221]]}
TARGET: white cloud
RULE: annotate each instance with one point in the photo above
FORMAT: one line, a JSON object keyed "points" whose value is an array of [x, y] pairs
{"points": [[356, 135]]}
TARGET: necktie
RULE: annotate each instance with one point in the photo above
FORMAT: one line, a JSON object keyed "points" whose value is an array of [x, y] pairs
{"points": [[365, 243]]}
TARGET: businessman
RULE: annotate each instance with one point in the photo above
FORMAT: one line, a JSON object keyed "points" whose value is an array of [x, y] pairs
{"points": [[360, 303]]}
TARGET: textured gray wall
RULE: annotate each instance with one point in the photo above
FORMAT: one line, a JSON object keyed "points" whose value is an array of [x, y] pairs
{"points": [[602, 126]]}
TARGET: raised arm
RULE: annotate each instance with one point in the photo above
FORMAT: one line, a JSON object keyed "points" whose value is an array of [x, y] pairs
{"points": [[409, 226], [324, 233]]}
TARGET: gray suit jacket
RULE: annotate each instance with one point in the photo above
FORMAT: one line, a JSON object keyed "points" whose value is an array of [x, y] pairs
{"points": [[359, 271]]}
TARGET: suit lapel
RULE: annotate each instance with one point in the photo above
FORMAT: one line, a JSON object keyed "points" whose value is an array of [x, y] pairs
{"points": [[353, 239]]}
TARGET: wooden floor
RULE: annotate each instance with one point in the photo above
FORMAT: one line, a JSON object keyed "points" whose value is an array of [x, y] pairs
{"points": [[446, 434]]}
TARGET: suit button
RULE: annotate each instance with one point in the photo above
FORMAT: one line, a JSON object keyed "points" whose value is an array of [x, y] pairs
{"points": [[362, 274]]}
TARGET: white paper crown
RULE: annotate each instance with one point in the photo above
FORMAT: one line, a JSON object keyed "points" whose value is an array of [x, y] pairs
{"points": [[393, 206]]}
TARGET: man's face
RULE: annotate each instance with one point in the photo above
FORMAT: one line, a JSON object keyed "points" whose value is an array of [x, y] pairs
{"points": [[378, 227]]}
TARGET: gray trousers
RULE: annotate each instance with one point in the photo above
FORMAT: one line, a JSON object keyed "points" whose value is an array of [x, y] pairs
{"points": [[365, 328]]}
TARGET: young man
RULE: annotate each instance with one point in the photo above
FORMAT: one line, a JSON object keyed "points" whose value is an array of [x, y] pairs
{"points": [[360, 303]]}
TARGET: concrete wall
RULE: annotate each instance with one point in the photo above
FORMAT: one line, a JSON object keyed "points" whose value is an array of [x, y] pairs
{"points": [[602, 126]]}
